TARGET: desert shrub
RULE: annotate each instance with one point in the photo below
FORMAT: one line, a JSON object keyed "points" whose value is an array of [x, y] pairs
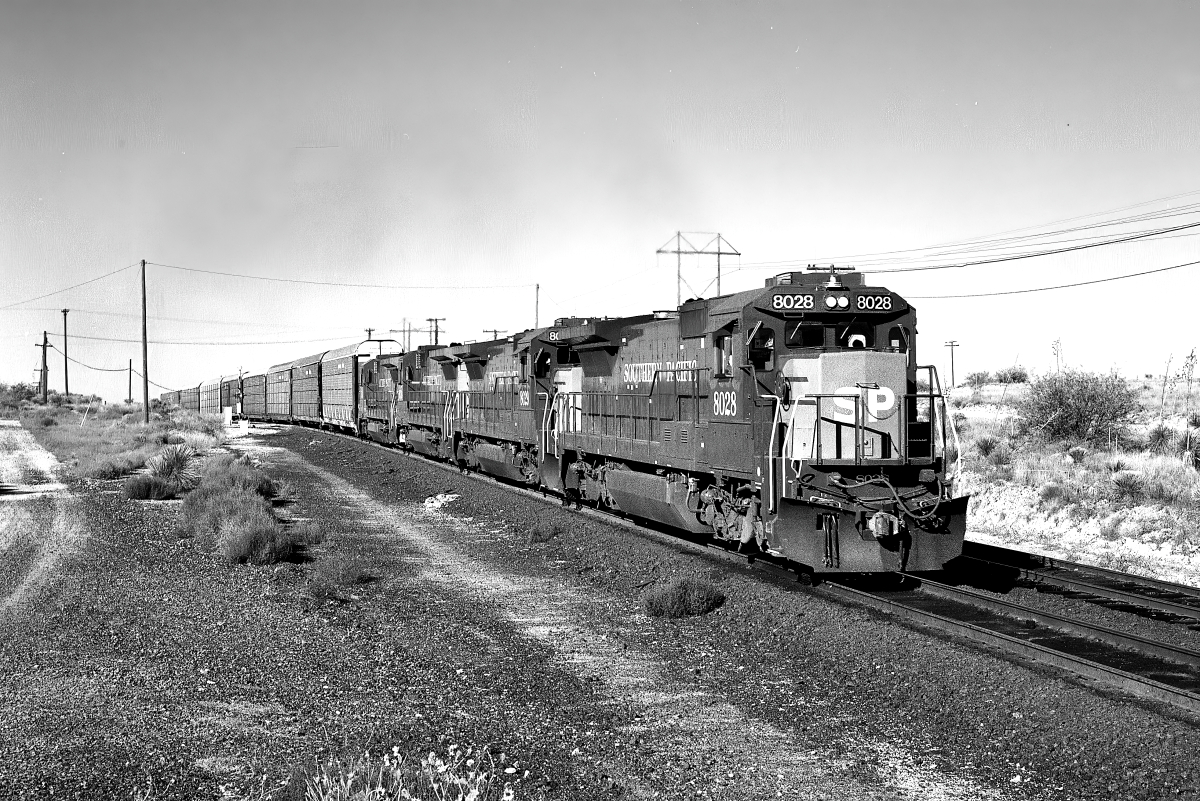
{"points": [[332, 573], [229, 511], [1160, 439], [238, 471], [1127, 486], [542, 532], [149, 488], [1077, 454], [46, 422], [1012, 375], [682, 597], [1050, 491], [978, 379], [173, 464], [1115, 465], [986, 445], [249, 532], [116, 465], [1193, 420], [1000, 456], [1076, 405]]}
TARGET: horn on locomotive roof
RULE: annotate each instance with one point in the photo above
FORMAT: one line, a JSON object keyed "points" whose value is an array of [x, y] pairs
{"points": [[833, 282]]}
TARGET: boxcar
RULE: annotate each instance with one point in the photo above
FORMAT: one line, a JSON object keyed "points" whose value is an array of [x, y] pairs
{"points": [[279, 392], [339, 380], [170, 398], [306, 388], [210, 396], [190, 399], [254, 396], [231, 393]]}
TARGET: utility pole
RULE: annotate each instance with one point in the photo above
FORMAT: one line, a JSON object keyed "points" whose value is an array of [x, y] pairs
{"points": [[130, 395], [434, 332], [705, 250], [952, 344], [66, 367], [369, 330], [45, 371], [496, 332], [145, 354]]}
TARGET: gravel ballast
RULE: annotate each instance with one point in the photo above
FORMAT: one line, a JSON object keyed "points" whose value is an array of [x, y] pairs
{"points": [[145, 659]]}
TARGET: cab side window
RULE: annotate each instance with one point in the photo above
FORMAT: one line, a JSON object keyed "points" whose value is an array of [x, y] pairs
{"points": [[761, 351], [722, 355]]}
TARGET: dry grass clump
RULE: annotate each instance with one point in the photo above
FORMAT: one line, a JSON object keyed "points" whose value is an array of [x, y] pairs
{"points": [[149, 488], [335, 572], [462, 775], [682, 597], [542, 532], [229, 511]]}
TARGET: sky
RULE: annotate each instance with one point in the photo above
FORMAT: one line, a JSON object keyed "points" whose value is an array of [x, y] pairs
{"points": [[470, 151]]}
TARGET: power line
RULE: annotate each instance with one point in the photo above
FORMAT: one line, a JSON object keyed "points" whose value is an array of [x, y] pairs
{"points": [[976, 243], [88, 366], [340, 283], [1060, 286], [182, 342], [68, 289]]}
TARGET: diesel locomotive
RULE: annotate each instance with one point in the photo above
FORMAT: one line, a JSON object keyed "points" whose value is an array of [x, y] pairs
{"points": [[794, 419]]}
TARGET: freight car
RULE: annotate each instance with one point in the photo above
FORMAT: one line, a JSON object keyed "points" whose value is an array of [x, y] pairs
{"points": [[794, 419]]}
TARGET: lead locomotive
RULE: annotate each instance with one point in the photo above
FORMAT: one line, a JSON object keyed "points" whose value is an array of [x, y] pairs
{"points": [[793, 418]]}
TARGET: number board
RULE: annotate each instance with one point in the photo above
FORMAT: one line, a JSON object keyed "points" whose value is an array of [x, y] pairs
{"points": [[873, 303], [793, 302]]}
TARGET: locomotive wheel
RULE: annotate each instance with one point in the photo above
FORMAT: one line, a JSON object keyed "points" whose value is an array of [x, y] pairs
{"points": [[806, 578]]}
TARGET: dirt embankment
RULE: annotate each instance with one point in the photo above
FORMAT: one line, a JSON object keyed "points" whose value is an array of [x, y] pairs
{"points": [[156, 660]]}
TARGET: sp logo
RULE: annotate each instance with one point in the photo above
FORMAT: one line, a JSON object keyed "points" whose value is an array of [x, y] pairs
{"points": [[880, 403]]}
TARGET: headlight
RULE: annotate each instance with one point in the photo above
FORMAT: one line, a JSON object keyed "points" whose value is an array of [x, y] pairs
{"points": [[830, 302], [843, 302]]}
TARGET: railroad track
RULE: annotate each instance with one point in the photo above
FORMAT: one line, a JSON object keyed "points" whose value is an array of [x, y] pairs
{"points": [[1141, 667], [1138, 594]]}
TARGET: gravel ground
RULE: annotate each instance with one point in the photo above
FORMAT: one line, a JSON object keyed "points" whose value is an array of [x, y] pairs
{"points": [[141, 657]]}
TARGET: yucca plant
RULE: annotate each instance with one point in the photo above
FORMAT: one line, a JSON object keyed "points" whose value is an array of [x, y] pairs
{"points": [[986, 444], [173, 464], [1127, 486], [1160, 439]]}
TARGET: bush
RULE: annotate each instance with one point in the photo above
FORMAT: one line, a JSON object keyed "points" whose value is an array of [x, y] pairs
{"points": [[149, 488], [1078, 405], [682, 597], [543, 532], [250, 533], [115, 466], [230, 471], [1077, 454], [1012, 375], [331, 573], [977, 380]]}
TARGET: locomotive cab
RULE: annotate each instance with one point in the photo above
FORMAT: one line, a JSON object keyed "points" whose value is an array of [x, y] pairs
{"points": [[857, 457]]}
